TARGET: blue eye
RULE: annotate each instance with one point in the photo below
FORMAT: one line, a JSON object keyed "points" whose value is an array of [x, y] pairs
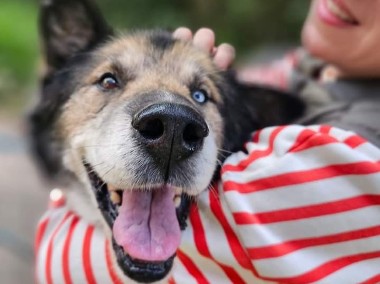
{"points": [[200, 96]]}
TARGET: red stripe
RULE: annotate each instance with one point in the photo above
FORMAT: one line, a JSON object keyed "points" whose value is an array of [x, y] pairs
{"points": [[41, 229], [300, 177], [40, 234], [309, 211], [327, 268], [233, 241], [302, 137], [66, 250], [325, 129], [291, 246], [354, 141], [115, 279], [256, 136], [256, 154], [316, 140], [372, 280], [86, 255], [49, 253], [191, 267], [201, 244], [171, 281]]}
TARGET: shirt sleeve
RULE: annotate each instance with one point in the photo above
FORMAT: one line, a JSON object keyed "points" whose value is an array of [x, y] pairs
{"points": [[304, 202]]}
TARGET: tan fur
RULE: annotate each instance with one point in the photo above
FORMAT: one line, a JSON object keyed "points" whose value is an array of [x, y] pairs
{"points": [[142, 74], [91, 114]]}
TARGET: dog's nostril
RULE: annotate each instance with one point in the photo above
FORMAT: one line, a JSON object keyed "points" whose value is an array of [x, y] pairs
{"points": [[194, 133], [170, 132], [152, 129]]}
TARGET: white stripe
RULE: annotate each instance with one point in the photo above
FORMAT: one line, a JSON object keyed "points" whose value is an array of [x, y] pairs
{"points": [[281, 144], [98, 257], [369, 151], [269, 234], [293, 196], [262, 145], [180, 273], [341, 134], [315, 127], [316, 157], [55, 217], [248, 276], [355, 273], [58, 244], [213, 273], [40, 263], [310, 258], [284, 139], [236, 158], [217, 241], [76, 260]]}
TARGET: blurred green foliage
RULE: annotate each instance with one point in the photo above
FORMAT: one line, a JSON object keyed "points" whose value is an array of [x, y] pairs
{"points": [[18, 50], [247, 24]]}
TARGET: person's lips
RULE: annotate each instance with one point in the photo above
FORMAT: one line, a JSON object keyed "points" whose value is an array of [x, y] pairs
{"points": [[335, 13]]}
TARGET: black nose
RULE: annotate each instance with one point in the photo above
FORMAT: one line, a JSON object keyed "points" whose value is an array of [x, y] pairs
{"points": [[170, 131]]}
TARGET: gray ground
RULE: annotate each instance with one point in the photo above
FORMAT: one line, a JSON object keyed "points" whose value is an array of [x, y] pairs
{"points": [[23, 199]]}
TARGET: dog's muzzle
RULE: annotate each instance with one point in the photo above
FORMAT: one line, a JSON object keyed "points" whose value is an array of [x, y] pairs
{"points": [[146, 222]]}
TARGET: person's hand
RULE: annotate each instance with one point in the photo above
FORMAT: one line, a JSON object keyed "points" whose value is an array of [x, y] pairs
{"points": [[223, 55]]}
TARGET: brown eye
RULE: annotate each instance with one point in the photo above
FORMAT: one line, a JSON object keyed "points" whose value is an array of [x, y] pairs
{"points": [[108, 82]]}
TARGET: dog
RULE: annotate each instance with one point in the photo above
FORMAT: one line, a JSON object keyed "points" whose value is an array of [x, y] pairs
{"points": [[142, 121]]}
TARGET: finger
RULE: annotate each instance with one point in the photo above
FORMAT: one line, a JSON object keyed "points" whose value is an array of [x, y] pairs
{"points": [[183, 33], [224, 56], [204, 39]]}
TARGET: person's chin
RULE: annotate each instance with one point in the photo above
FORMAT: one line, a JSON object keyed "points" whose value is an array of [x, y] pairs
{"points": [[313, 40]]}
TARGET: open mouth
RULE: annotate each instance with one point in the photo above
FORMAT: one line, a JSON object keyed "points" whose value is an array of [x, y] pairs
{"points": [[336, 13], [145, 226]]}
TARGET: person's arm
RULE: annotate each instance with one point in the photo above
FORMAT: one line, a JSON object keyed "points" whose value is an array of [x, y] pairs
{"points": [[305, 204]]}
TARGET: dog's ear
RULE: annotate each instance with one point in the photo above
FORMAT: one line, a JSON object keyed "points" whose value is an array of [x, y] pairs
{"points": [[251, 107], [68, 27]]}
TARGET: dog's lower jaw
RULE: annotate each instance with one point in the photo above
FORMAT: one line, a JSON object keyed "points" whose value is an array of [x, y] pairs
{"points": [[142, 272]]}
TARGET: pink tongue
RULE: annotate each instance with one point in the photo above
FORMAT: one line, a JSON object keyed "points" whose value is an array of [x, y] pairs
{"points": [[147, 227]]}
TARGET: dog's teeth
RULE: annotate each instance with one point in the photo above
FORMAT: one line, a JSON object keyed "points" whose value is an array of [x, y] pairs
{"points": [[115, 197], [178, 191], [111, 187], [177, 201]]}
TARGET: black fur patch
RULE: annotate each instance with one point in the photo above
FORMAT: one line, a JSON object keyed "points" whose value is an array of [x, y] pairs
{"points": [[247, 108], [68, 27], [70, 30], [56, 90], [162, 40]]}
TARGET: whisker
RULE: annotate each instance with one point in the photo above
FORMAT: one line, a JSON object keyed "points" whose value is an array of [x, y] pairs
{"points": [[96, 146], [213, 191], [225, 151], [106, 173]]}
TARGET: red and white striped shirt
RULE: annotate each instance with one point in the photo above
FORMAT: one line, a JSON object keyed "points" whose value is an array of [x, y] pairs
{"points": [[301, 205]]}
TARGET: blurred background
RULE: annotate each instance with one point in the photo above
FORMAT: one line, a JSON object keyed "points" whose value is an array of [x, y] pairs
{"points": [[259, 30]]}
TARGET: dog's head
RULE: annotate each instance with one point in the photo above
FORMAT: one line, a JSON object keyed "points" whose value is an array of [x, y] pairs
{"points": [[142, 120]]}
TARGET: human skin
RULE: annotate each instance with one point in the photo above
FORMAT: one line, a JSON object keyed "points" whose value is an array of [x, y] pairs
{"points": [[344, 33], [204, 38]]}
